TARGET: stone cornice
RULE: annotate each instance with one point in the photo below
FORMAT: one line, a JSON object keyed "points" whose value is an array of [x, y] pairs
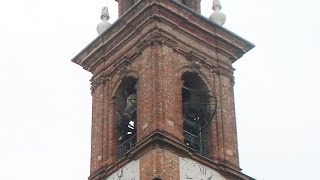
{"points": [[118, 68], [151, 14], [163, 140], [214, 35], [158, 36], [155, 36]]}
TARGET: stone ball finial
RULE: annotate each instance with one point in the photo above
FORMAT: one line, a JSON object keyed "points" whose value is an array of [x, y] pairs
{"points": [[217, 16], [104, 25]]}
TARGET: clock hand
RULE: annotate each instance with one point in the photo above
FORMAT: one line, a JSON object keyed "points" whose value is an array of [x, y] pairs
{"points": [[119, 177], [121, 174]]}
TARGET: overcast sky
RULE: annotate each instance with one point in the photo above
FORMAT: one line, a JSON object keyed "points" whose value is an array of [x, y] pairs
{"points": [[45, 100]]}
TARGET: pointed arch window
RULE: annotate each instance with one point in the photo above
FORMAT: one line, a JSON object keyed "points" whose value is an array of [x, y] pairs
{"points": [[198, 111], [126, 115]]}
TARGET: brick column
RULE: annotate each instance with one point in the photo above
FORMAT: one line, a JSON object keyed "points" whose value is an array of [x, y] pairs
{"points": [[97, 128], [229, 131]]}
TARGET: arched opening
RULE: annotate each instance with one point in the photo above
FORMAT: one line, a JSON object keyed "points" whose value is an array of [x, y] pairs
{"points": [[198, 111], [125, 101]]}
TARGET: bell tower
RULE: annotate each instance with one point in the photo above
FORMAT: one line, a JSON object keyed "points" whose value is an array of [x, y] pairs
{"points": [[162, 93]]}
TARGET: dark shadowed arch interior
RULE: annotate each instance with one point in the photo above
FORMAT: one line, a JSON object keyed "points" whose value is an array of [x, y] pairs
{"points": [[125, 101], [198, 110]]}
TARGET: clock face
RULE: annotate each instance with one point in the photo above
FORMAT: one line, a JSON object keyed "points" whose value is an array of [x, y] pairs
{"points": [[190, 169], [127, 172]]}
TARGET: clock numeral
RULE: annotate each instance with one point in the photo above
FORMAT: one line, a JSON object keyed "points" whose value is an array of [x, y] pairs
{"points": [[203, 169]]}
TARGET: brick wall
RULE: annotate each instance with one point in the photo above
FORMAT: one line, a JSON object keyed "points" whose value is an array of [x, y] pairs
{"points": [[159, 162]]}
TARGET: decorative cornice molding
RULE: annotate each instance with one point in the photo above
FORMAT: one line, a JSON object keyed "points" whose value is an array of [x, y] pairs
{"points": [[164, 140], [152, 13], [157, 36], [120, 68], [97, 81], [224, 71]]}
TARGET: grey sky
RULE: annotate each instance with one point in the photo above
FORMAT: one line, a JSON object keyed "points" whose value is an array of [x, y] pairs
{"points": [[45, 101]]}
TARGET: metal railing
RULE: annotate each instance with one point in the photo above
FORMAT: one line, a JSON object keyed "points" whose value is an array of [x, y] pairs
{"points": [[126, 146], [195, 142], [191, 140]]}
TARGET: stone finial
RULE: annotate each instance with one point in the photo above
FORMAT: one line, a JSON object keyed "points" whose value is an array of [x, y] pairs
{"points": [[216, 3], [105, 13], [217, 16], [104, 25]]}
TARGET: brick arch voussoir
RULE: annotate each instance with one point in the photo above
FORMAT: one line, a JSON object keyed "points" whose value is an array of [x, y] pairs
{"points": [[200, 73], [130, 73]]}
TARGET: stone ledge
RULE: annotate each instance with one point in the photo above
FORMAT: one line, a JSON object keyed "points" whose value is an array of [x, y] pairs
{"points": [[166, 141]]}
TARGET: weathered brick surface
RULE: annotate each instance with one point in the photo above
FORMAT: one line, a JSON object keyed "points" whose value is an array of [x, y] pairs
{"points": [[97, 128], [161, 163], [159, 92], [229, 124]]}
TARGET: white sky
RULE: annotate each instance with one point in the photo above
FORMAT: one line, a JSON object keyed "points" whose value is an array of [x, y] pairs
{"points": [[45, 101]]}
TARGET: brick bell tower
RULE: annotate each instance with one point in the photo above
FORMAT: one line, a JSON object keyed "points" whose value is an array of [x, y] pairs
{"points": [[162, 94]]}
